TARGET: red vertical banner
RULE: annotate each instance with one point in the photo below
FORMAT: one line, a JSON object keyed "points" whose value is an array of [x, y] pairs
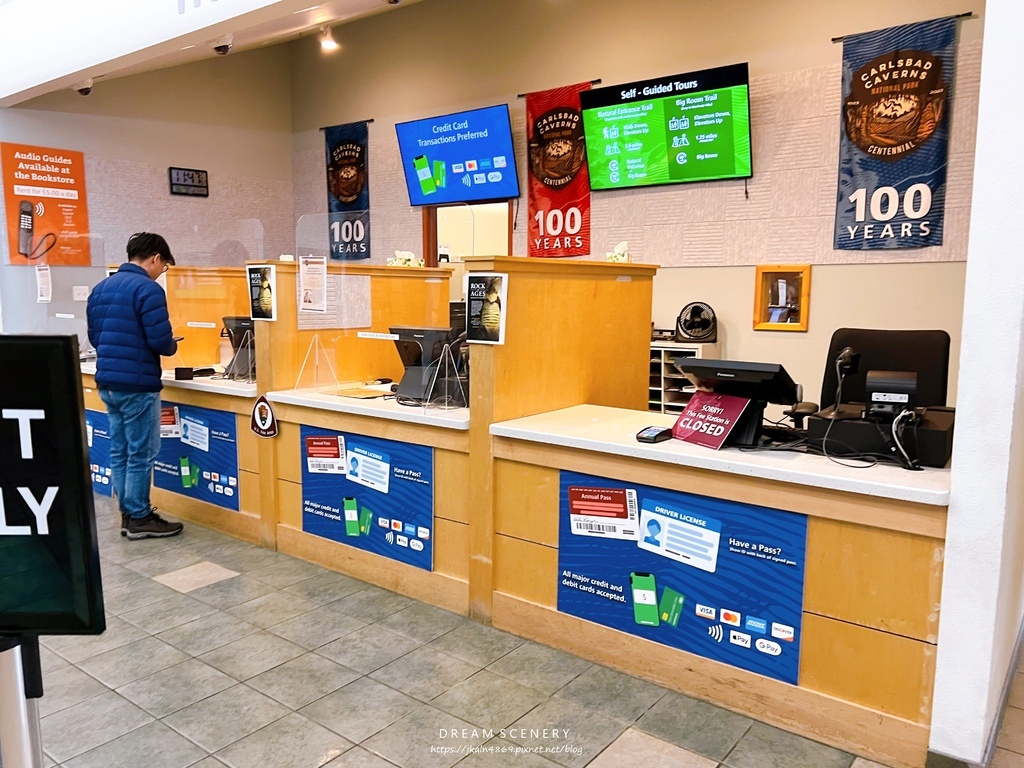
{"points": [[559, 185]]}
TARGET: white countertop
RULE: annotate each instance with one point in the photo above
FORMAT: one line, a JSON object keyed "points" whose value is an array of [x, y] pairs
{"points": [[202, 384], [379, 408], [613, 431]]}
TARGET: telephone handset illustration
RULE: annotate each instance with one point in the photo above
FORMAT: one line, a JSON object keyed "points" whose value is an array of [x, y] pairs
{"points": [[25, 228]]}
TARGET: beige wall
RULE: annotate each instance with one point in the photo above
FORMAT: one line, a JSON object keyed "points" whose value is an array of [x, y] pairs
{"points": [[710, 233], [896, 296]]}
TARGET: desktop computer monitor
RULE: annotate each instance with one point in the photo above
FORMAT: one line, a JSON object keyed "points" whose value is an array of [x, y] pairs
{"points": [[761, 383], [420, 350]]}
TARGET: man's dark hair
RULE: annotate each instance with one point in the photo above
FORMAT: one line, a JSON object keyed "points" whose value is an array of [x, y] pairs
{"points": [[142, 245]]}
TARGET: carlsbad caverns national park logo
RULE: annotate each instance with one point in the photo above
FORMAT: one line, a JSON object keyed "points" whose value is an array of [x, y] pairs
{"points": [[896, 102]]}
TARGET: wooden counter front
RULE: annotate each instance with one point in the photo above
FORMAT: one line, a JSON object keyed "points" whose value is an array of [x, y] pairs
{"points": [[244, 524], [447, 586], [872, 584]]}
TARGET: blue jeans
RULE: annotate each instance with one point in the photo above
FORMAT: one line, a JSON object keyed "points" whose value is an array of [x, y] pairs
{"points": [[134, 445]]}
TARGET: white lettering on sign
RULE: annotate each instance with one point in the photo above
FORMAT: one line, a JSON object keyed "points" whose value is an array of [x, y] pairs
{"points": [[40, 508], [24, 417]]}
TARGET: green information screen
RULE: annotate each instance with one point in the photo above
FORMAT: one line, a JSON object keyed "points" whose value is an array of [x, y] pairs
{"points": [[692, 127]]}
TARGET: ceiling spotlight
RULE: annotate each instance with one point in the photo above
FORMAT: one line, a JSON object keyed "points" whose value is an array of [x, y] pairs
{"points": [[327, 41], [306, 10]]}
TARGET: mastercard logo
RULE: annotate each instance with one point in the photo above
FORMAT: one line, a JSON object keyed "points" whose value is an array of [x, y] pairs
{"points": [[730, 617]]}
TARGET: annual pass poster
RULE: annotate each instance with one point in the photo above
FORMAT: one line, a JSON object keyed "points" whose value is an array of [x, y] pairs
{"points": [[198, 454], [716, 578], [370, 493]]}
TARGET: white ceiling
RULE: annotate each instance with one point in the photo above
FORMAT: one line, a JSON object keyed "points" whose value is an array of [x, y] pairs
{"points": [[300, 18], [104, 39]]}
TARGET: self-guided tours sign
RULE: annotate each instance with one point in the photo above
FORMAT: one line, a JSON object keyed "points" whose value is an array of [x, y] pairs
{"points": [[49, 562]]}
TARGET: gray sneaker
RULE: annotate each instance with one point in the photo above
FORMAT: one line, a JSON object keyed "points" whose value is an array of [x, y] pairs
{"points": [[124, 524], [152, 526]]}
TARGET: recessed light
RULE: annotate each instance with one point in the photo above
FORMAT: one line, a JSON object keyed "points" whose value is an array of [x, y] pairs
{"points": [[186, 47], [306, 10]]}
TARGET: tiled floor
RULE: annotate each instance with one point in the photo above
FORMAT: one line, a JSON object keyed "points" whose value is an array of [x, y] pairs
{"points": [[221, 653]]}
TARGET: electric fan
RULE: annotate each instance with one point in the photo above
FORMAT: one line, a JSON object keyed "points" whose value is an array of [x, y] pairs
{"points": [[696, 322]]}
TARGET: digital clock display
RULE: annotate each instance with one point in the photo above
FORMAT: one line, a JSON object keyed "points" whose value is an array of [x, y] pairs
{"points": [[189, 182]]}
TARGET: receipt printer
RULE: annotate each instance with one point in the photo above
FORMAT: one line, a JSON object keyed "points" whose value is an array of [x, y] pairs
{"points": [[888, 393]]}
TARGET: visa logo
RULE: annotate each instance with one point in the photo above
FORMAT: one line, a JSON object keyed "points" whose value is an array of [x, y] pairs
{"points": [[706, 612], [730, 617], [384, 522], [458, 168], [783, 632], [756, 625]]}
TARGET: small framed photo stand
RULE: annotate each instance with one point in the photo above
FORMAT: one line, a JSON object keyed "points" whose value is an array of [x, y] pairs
{"points": [[782, 297]]}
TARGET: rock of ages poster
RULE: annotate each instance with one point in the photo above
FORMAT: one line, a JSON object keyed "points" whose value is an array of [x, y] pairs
{"points": [[897, 92]]}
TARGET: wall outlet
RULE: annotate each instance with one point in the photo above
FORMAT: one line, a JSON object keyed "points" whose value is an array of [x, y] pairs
{"points": [[80, 293]]}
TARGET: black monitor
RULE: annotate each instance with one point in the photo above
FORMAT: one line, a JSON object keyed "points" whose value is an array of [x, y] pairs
{"points": [[761, 383], [419, 349]]}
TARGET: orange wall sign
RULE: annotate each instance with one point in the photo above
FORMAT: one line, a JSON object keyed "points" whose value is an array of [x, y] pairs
{"points": [[47, 214]]}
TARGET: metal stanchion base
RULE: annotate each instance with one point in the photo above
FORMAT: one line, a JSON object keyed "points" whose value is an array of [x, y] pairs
{"points": [[20, 737]]}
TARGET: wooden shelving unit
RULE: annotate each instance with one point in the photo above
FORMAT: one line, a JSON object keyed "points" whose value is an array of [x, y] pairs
{"points": [[668, 390]]}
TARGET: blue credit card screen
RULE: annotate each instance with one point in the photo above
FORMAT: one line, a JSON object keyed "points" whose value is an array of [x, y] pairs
{"points": [[459, 158]]}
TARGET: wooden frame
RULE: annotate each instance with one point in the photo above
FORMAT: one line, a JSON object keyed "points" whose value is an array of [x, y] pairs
{"points": [[787, 313]]}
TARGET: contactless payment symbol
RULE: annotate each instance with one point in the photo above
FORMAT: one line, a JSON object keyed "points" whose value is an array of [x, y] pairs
{"points": [[716, 633]]}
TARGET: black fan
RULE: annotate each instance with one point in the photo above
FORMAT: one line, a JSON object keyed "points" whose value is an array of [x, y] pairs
{"points": [[696, 322]]}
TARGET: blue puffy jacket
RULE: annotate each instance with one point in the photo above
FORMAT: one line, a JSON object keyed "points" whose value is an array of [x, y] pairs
{"points": [[130, 329]]}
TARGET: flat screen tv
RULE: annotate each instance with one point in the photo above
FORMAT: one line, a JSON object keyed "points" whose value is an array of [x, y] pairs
{"points": [[460, 158], [672, 130]]}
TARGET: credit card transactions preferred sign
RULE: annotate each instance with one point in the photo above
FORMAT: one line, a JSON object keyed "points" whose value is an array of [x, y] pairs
{"points": [[198, 454], [97, 435], [715, 578], [373, 494]]}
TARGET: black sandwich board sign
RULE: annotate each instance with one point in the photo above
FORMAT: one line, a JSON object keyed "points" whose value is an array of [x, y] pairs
{"points": [[49, 560]]}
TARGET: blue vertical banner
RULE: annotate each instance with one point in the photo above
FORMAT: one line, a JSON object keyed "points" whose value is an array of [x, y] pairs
{"points": [[370, 493], [715, 578], [97, 434], [348, 190], [894, 137], [198, 454]]}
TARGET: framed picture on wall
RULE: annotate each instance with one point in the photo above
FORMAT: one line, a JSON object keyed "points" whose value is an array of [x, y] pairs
{"points": [[782, 297]]}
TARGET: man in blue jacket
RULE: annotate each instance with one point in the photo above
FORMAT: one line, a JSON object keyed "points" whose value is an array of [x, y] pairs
{"points": [[130, 329]]}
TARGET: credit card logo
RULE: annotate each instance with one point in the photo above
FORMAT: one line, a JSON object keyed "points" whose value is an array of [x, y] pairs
{"points": [[396, 525], [730, 617], [783, 632], [485, 164], [706, 612], [768, 646], [410, 529], [760, 626], [423, 533], [471, 165], [739, 638], [458, 168], [384, 522], [500, 162], [494, 176]]}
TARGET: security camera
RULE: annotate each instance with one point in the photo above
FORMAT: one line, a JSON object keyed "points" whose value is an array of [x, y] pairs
{"points": [[84, 88], [223, 45]]}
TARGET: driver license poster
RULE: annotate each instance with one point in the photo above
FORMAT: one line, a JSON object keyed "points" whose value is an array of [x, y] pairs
{"points": [[370, 493], [716, 578], [198, 454], [45, 204], [558, 184]]}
